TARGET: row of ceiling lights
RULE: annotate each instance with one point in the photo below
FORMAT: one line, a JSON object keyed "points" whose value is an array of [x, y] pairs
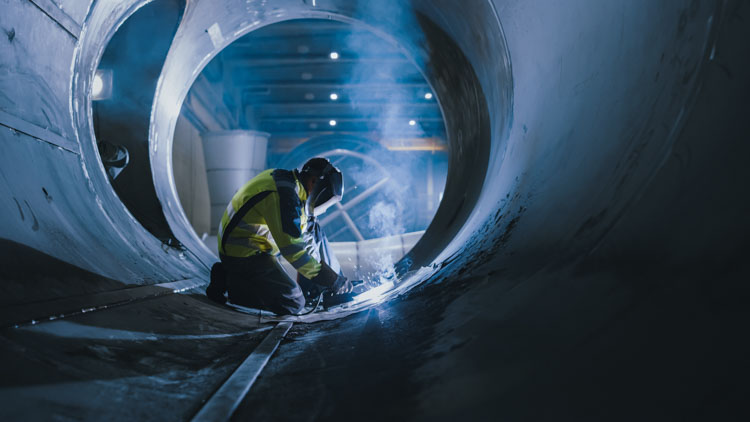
{"points": [[334, 123], [334, 55], [334, 96]]}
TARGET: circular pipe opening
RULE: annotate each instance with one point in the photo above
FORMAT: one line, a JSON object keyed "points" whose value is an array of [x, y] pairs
{"points": [[122, 95], [148, 256], [434, 34], [280, 80]]}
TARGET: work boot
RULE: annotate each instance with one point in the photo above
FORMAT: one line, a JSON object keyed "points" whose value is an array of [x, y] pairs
{"points": [[218, 286]]}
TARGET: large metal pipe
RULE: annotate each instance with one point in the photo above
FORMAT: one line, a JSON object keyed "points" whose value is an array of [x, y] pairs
{"points": [[467, 60], [510, 154], [560, 122]]}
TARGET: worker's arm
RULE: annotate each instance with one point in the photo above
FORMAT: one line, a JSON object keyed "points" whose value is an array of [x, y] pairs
{"points": [[282, 211]]}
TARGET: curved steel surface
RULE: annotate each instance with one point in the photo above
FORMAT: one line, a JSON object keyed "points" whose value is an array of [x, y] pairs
{"points": [[207, 29], [558, 118], [584, 135]]}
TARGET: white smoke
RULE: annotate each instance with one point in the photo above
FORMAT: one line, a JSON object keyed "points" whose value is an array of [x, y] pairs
{"points": [[395, 206], [384, 218]]}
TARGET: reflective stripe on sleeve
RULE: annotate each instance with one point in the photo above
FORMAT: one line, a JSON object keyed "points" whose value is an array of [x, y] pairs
{"points": [[301, 261], [310, 270], [291, 249]]}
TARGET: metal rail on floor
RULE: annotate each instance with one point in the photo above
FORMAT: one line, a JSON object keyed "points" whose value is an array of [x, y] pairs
{"points": [[228, 397]]}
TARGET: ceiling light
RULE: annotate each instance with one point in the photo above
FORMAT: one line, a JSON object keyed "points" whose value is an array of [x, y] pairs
{"points": [[412, 122], [334, 96], [428, 96], [334, 55], [306, 76], [332, 122], [309, 96]]}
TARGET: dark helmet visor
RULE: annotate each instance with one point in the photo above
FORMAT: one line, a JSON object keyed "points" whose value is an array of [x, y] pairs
{"points": [[328, 190]]}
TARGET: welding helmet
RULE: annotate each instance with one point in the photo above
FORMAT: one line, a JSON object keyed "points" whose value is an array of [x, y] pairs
{"points": [[328, 185]]}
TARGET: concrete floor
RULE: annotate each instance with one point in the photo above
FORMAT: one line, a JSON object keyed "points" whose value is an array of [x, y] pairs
{"points": [[151, 360], [583, 345]]}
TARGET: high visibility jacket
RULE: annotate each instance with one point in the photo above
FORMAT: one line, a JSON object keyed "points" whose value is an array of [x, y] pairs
{"points": [[267, 215]]}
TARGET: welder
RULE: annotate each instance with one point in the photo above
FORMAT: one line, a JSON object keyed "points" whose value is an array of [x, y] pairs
{"points": [[274, 213]]}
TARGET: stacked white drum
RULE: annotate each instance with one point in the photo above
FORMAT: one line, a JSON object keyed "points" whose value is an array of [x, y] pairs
{"points": [[232, 158]]}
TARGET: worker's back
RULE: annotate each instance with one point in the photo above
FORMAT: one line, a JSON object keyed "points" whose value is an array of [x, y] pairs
{"points": [[266, 215]]}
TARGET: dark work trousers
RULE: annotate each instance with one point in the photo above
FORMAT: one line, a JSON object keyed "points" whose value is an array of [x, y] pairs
{"points": [[260, 282]]}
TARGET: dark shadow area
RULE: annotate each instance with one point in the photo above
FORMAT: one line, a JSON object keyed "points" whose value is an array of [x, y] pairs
{"points": [[168, 353], [29, 276], [606, 345], [357, 368]]}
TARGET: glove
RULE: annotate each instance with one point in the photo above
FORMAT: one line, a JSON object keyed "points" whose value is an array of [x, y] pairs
{"points": [[326, 277], [342, 285], [337, 283]]}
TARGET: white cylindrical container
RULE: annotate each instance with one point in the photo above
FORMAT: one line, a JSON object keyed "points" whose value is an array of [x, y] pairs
{"points": [[232, 158]]}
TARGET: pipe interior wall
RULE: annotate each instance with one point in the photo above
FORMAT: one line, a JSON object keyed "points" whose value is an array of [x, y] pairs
{"points": [[588, 261], [122, 119], [646, 326], [595, 112], [57, 198], [443, 62], [544, 164]]}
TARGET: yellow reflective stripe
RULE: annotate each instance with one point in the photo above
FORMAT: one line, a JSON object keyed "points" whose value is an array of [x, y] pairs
{"points": [[291, 249], [230, 210], [243, 241], [301, 261], [260, 229], [310, 269], [229, 214], [244, 245]]}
